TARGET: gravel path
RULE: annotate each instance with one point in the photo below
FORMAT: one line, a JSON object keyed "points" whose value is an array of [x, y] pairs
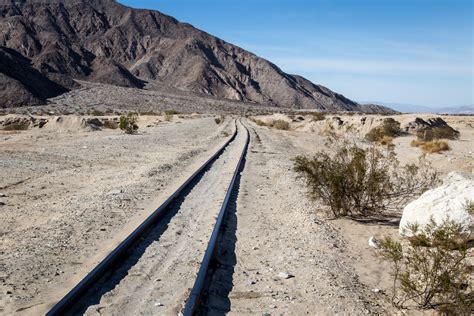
{"points": [[276, 255]]}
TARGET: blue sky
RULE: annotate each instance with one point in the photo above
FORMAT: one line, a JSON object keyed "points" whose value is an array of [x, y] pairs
{"points": [[401, 51]]}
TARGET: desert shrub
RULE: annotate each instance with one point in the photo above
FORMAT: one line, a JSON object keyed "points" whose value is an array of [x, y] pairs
{"points": [[435, 146], [219, 119], [387, 141], [149, 113], [96, 113], [318, 116], [128, 123], [416, 143], [260, 122], [17, 126], [432, 270], [171, 112], [359, 182], [389, 127], [111, 124], [433, 133], [281, 124], [169, 115]]}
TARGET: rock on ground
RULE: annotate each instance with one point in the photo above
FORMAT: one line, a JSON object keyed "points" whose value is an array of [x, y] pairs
{"points": [[441, 203]]}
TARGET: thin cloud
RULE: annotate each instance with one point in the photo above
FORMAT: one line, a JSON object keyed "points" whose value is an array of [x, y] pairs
{"points": [[372, 67]]}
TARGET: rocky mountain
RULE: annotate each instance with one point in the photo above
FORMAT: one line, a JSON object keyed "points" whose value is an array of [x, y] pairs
{"points": [[21, 84], [104, 41]]}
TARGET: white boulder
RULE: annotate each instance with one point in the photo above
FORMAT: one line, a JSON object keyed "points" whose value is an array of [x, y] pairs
{"points": [[441, 203]]}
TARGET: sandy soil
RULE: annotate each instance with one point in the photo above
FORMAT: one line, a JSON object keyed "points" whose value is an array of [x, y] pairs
{"points": [[67, 192]]}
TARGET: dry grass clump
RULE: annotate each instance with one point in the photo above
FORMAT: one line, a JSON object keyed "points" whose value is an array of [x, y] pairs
{"points": [[169, 115], [432, 271], [431, 147], [435, 146], [318, 116], [389, 127], [281, 124], [387, 141], [357, 181], [149, 113], [260, 123]]}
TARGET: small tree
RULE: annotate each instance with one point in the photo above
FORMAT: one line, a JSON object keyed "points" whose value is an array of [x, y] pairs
{"points": [[432, 271], [128, 123]]}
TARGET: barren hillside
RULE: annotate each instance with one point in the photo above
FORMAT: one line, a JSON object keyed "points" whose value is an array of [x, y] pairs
{"points": [[106, 42]]}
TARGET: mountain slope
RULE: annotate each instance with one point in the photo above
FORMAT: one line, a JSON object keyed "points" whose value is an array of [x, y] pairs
{"points": [[21, 84], [106, 42]]}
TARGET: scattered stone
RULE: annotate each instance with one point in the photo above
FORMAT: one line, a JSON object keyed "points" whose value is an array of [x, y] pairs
{"points": [[373, 242], [285, 275], [116, 192]]}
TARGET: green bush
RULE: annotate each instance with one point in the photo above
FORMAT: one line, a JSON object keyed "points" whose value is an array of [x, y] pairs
{"points": [[360, 182], [128, 123], [389, 127], [281, 124], [432, 271]]}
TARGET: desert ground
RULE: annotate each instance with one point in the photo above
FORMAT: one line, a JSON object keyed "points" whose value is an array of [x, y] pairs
{"points": [[69, 192]]}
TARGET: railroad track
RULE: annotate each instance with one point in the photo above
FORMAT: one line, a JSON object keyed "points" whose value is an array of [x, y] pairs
{"points": [[237, 143]]}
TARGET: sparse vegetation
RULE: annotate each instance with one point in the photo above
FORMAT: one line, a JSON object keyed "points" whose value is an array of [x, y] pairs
{"points": [[149, 113], [111, 124], [219, 119], [260, 123], [442, 132], [361, 182], [318, 116], [281, 124], [169, 115], [17, 126], [435, 146], [389, 127], [387, 141], [96, 113], [432, 270], [128, 123], [430, 147]]}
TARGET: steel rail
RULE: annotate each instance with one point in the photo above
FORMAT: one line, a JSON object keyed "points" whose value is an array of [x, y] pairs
{"points": [[194, 298], [75, 294]]}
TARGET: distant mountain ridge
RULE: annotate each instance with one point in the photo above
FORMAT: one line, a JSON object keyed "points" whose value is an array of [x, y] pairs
{"points": [[104, 41], [411, 108]]}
